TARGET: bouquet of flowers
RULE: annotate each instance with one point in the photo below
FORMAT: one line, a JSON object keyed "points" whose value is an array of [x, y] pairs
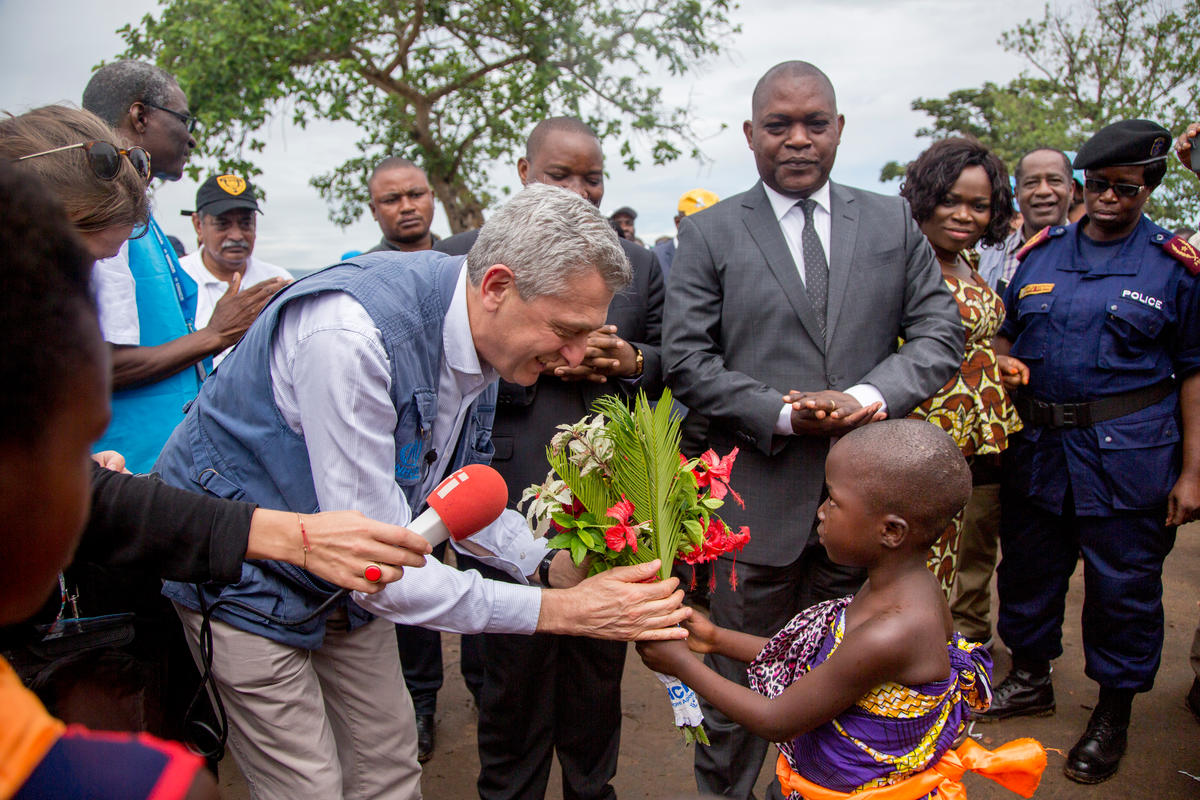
{"points": [[621, 493]]}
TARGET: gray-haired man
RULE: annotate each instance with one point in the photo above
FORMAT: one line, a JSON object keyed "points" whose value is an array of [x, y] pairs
{"points": [[367, 383]]}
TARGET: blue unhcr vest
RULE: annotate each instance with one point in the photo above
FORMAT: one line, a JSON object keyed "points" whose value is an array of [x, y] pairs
{"points": [[234, 443], [143, 417]]}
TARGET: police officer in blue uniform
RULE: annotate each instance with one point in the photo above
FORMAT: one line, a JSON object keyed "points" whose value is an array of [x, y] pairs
{"points": [[1102, 352]]}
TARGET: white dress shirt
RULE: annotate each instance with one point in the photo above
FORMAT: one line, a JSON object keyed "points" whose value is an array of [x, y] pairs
{"points": [[116, 299], [210, 288], [332, 384], [791, 223]]}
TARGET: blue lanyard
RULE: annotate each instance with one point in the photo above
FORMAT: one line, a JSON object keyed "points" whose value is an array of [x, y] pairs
{"points": [[189, 319]]}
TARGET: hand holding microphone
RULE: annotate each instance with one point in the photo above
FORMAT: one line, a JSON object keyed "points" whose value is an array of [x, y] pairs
{"points": [[466, 502]]}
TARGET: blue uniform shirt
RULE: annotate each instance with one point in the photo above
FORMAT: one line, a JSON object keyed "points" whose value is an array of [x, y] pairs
{"points": [[1089, 328]]}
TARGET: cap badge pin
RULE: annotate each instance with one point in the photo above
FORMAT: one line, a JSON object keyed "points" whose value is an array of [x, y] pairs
{"points": [[1159, 147], [231, 184]]}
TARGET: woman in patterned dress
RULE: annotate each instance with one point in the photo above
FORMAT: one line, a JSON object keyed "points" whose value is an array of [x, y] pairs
{"points": [[960, 196]]}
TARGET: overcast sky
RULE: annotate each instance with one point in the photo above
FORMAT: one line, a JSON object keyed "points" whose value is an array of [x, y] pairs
{"points": [[880, 54]]}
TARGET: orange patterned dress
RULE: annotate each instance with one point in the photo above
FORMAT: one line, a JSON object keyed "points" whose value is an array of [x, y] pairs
{"points": [[973, 406]]}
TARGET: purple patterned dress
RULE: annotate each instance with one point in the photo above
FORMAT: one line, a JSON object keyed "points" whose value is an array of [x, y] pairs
{"points": [[891, 732]]}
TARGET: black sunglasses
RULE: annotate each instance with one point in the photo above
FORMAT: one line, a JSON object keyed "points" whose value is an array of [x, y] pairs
{"points": [[190, 121], [1100, 186], [105, 158]]}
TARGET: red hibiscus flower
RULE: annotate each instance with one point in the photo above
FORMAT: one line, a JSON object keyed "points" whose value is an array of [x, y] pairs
{"points": [[622, 533], [718, 539], [713, 472]]}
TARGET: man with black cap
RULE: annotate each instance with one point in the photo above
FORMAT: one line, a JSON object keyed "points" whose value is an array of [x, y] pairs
{"points": [[1101, 348], [226, 224], [623, 219]]}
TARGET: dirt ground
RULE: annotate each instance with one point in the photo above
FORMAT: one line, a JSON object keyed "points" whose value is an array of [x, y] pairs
{"points": [[1163, 759]]}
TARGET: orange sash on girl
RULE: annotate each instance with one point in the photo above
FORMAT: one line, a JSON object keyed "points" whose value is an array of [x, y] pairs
{"points": [[1017, 765]]}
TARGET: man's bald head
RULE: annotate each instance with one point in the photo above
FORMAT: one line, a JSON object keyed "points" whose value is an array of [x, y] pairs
{"points": [[564, 151], [790, 71], [547, 127]]}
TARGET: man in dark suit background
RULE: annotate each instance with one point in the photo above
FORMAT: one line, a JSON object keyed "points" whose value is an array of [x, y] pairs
{"points": [[796, 284], [543, 693]]}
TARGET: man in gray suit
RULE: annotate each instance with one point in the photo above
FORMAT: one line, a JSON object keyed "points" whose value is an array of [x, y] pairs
{"points": [[756, 309]]}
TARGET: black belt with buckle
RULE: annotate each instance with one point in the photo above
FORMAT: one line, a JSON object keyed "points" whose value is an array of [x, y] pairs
{"points": [[1079, 415]]}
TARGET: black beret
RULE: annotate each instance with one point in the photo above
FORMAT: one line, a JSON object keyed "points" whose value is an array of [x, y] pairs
{"points": [[626, 210], [1130, 142]]}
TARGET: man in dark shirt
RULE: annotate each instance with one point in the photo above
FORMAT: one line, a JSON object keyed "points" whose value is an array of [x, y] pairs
{"points": [[531, 703]]}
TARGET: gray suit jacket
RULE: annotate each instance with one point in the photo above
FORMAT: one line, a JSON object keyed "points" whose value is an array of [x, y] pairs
{"points": [[739, 332]]}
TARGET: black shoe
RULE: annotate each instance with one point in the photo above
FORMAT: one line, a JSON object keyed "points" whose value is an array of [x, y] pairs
{"points": [[1097, 754], [426, 737], [1193, 697], [1021, 694]]}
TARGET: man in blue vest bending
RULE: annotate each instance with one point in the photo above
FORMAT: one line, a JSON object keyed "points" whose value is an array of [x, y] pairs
{"points": [[362, 386]]}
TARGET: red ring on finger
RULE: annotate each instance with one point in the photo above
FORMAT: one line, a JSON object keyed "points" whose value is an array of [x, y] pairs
{"points": [[373, 573]]}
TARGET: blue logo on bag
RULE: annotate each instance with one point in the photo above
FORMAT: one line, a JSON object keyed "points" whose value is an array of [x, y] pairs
{"points": [[407, 468]]}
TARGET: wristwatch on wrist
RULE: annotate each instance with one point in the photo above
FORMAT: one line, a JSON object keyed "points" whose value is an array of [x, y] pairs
{"points": [[544, 568], [639, 362]]}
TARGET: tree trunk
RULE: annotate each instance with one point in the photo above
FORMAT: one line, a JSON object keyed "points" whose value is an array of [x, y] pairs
{"points": [[463, 209]]}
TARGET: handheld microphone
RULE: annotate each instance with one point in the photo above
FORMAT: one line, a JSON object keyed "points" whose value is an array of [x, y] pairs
{"points": [[468, 500]]}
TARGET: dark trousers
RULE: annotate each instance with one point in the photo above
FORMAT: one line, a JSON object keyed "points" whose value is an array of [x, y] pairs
{"points": [[544, 694], [766, 599], [1122, 606], [421, 661]]}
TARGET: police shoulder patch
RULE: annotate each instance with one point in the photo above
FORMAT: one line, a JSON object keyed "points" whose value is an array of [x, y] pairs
{"points": [[1038, 239], [1179, 249]]}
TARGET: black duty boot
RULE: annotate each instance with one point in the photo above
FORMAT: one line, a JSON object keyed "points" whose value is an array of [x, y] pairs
{"points": [[426, 737], [1026, 692], [1097, 754]]}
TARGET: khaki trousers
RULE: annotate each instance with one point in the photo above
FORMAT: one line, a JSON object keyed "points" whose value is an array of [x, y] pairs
{"points": [[336, 722], [977, 547]]}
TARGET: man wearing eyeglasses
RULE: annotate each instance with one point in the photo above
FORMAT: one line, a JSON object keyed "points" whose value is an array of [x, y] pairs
{"points": [[147, 301], [226, 225], [402, 203], [1101, 348]]}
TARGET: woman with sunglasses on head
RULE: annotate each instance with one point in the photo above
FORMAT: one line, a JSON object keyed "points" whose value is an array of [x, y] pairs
{"points": [[98, 180], [960, 195], [1104, 329]]}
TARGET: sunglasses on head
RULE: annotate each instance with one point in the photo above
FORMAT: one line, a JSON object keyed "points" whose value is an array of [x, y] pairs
{"points": [[105, 158], [1100, 186]]}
